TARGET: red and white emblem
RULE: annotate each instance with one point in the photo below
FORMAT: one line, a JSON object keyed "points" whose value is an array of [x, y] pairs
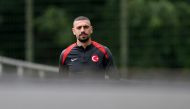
{"points": [[95, 58]]}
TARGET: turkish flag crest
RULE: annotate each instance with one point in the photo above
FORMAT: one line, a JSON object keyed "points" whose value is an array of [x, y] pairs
{"points": [[95, 58]]}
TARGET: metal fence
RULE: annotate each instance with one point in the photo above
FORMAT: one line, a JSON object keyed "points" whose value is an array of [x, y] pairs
{"points": [[22, 67]]}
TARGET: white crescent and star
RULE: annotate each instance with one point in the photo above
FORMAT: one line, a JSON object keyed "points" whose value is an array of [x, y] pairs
{"points": [[95, 58]]}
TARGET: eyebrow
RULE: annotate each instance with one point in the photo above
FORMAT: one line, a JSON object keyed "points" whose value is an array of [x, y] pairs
{"points": [[83, 26]]}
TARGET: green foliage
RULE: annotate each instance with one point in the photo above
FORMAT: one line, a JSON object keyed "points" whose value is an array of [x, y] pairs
{"points": [[53, 34], [54, 22], [1, 20], [12, 28], [158, 29], [110, 27], [183, 41], [9, 4], [155, 33]]}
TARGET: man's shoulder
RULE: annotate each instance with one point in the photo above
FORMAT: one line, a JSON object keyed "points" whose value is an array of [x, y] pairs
{"points": [[104, 49], [66, 52], [69, 48], [98, 45]]}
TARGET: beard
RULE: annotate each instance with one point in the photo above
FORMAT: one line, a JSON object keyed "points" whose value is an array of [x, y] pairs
{"points": [[83, 39]]}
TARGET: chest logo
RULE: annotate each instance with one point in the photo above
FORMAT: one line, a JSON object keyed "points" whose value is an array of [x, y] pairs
{"points": [[95, 58], [73, 59]]}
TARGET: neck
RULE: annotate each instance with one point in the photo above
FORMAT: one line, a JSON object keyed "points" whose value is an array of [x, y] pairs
{"points": [[84, 44]]}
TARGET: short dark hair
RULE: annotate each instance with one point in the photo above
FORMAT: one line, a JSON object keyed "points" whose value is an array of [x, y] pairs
{"points": [[81, 18]]}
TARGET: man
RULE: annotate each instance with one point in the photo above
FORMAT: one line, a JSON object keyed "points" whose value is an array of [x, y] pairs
{"points": [[86, 58]]}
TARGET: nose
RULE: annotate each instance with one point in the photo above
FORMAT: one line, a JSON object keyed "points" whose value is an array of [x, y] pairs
{"points": [[82, 29]]}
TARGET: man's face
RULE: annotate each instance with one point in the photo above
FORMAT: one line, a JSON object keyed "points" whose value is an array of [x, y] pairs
{"points": [[82, 29]]}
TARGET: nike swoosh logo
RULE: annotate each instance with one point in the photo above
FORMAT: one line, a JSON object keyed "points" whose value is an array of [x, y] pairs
{"points": [[74, 59]]}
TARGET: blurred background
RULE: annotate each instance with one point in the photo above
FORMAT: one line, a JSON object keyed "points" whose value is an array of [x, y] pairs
{"points": [[146, 37], [149, 39]]}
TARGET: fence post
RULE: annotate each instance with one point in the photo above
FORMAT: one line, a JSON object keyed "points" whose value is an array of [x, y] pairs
{"points": [[20, 71], [41, 74], [1, 69]]}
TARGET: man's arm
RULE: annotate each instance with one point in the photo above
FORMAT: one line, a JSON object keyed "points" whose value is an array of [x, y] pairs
{"points": [[63, 68], [110, 67]]}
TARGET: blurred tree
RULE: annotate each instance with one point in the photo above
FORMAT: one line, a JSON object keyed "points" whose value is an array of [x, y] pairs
{"points": [[1, 19], [55, 24], [183, 33], [29, 38], [110, 28], [53, 31], [155, 32], [12, 28], [123, 36]]}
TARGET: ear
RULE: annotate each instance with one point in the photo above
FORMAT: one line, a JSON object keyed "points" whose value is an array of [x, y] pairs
{"points": [[73, 31], [91, 29]]}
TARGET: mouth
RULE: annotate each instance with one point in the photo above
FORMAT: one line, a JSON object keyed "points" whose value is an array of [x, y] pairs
{"points": [[83, 34]]}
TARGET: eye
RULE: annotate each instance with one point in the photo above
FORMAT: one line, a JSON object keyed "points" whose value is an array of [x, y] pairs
{"points": [[86, 27], [79, 27]]}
